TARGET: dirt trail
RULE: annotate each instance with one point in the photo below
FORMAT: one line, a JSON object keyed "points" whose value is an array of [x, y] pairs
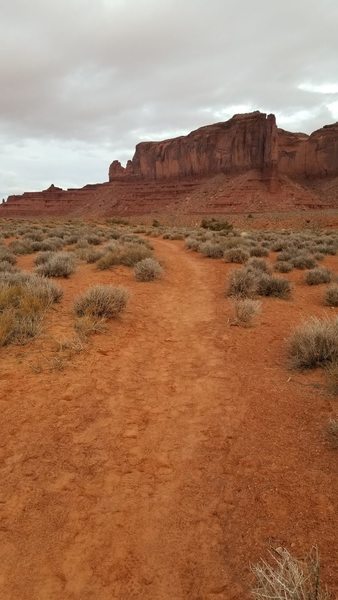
{"points": [[167, 457]]}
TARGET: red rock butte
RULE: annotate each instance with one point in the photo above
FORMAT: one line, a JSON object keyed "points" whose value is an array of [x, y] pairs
{"points": [[245, 164]]}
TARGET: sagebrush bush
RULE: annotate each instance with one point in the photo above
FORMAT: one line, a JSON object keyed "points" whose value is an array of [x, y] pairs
{"points": [[7, 256], [288, 578], [243, 283], [102, 301], [245, 310], [192, 244], [314, 343], [258, 251], [211, 250], [236, 255], [317, 276], [332, 378], [283, 266], [60, 264], [303, 261], [259, 264], [331, 295], [24, 298], [273, 286], [148, 269], [124, 254]]}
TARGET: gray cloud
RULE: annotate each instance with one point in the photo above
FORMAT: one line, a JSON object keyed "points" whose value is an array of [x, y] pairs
{"points": [[83, 81]]}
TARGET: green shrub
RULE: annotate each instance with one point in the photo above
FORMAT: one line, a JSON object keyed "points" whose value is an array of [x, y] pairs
{"points": [[102, 301], [314, 343]]}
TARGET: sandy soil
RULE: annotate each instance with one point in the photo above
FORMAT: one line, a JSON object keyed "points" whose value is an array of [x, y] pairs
{"points": [[169, 454]]}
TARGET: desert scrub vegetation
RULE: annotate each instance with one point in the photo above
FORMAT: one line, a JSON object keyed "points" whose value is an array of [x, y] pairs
{"points": [[236, 255], [148, 269], [216, 225], [332, 378], [211, 250], [283, 266], [250, 282], [332, 433], [331, 295], [24, 299], [127, 254], [317, 276], [58, 264], [245, 309], [288, 578], [102, 301], [314, 343]]}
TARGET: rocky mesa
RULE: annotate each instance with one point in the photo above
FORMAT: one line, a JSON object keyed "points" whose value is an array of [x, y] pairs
{"points": [[244, 164]]}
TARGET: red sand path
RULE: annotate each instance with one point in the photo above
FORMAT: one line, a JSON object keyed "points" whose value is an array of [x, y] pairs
{"points": [[170, 454]]}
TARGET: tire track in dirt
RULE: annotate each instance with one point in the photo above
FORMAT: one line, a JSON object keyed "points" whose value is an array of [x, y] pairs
{"points": [[164, 460]]}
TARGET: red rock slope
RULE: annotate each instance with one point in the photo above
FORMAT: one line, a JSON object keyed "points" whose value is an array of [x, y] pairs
{"points": [[244, 164]]}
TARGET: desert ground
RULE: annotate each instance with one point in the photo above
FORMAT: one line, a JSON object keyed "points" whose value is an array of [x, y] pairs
{"points": [[160, 453]]}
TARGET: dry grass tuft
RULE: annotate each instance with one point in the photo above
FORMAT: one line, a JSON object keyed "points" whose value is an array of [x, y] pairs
{"points": [[148, 269], [245, 310], [102, 301], [331, 295], [289, 578], [314, 343]]}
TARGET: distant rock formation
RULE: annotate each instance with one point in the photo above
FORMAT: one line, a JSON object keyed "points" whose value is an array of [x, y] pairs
{"points": [[245, 164], [245, 142]]}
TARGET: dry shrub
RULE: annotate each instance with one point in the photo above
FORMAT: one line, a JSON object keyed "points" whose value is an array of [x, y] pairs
{"points": [[245, 310], [314, 343], [43, 257], [23, 301], [288, 578], [243, 283], [236, 255], [331, 295], [259, 251], [332, 433], [60, 264], [6, 256], [332, 378], [259, 264], [303, 261], [211, 250], [102, 301], [192, 244], [283, 266], [87, 325], [273, 286], [21, 247], [124, 254], [148, 269], [317, 276]]}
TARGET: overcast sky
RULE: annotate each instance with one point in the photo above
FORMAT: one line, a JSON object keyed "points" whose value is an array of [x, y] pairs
{"points": [[82, 81]]}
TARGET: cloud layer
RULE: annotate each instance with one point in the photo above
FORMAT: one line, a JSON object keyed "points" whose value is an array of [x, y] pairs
{"points": [[83, 81]]}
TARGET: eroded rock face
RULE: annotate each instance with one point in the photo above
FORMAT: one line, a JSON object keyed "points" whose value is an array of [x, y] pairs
{"points": [[244, 142], [249, 141]]}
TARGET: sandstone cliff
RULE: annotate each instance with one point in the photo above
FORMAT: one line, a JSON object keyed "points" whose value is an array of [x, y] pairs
{"points": [[243, 165], [244, 142]]}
